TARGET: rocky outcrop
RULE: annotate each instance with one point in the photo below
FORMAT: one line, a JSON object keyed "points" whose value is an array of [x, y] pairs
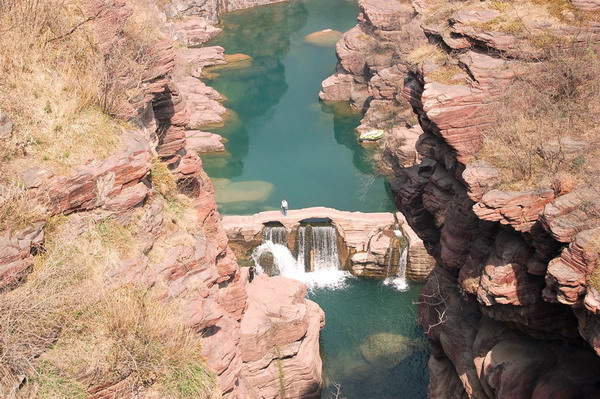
{"points": [[255, 347], [280, 340], [364, 239], [16, 253], [210, 10], [513, 297]]}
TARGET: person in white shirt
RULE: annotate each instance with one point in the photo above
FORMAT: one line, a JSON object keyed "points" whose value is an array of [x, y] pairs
{"points": [[284, 207]]}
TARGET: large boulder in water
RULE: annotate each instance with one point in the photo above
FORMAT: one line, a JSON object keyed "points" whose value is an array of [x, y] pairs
{"points": [[386, 350], [325, 38]]}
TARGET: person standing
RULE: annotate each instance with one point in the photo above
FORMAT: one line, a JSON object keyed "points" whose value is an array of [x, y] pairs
{"points": [[284, 207]]}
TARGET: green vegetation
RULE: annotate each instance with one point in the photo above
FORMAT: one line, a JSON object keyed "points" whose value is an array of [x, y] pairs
{"points": [[189, 380], [52, 384], [280, 371]]}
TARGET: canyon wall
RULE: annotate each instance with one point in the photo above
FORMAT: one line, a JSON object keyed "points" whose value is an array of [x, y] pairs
{"points": [[210, 10], [511, 307], [260, 339]]}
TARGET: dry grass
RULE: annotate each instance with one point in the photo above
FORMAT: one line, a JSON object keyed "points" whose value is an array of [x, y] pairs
{"points": [[558, 99], [427, 52], [61, 88], [18, 207], [448, 74], [162, 179], [70, 327]]}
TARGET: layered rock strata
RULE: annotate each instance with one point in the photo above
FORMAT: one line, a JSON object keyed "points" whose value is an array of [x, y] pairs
{"points": [[192, 266], [512, 301]]}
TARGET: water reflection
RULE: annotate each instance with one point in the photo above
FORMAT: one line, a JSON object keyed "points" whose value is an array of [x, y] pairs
{"points": [[252, 91], [284, 136], [344, 121]]}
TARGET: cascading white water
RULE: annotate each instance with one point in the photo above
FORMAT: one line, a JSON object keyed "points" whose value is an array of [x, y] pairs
{"points": [[275, 234], [301, 244], [283, 260], [399, 280], [325, 248], [326, 262]]}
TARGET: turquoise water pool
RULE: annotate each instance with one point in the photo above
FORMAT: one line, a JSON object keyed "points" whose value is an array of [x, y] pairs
{"points": [[361, 313], [283, 143]]}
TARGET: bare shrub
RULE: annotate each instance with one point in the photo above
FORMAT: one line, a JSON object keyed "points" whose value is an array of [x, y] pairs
{"points": [[540, 117]]}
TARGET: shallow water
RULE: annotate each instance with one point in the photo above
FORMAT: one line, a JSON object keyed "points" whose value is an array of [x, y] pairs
{"points": [[281, 137], [360, 309]]}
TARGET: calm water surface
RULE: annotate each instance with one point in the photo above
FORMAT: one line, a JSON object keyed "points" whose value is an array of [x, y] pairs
{"points": [[282, 139], [283, 143], [363, 309]]}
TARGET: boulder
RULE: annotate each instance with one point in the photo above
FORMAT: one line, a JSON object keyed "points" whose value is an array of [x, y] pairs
{"points": [[386, 350], [325, 38], [280, 340], [199, 141]]}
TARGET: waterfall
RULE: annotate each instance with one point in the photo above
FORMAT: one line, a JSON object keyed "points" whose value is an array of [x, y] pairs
{"points": [[301, 244], [275, 234], [283, 260], [399, 280], [325, 264], [325, 248]]}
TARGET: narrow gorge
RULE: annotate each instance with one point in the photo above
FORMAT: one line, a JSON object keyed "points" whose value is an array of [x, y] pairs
{"points": [[146, 146]]}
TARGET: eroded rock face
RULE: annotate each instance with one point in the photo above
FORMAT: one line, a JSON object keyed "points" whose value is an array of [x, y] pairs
{"points": [[16, 252], [280, 340], [210, 10], [511, 296], [195, 267]]}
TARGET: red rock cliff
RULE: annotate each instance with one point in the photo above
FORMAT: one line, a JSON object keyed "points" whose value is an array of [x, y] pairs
{"points": [[509, 309], [260, 339]]}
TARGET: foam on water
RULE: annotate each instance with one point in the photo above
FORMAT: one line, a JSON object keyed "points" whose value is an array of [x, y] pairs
{"points": [[288, 266]]}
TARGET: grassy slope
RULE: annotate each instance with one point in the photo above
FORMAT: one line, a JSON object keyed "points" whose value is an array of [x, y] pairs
{"points": [[70, 326]]}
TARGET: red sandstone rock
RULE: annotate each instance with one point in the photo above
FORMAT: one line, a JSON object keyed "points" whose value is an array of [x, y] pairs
{"points": [[96, 185], [280, 340], [194, 31], [586, 5], [520, 210], [384, 15], [569, 214], [16, 249]]}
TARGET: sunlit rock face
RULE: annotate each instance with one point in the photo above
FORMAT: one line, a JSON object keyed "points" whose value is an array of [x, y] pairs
{"points": [[512, 291]]}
